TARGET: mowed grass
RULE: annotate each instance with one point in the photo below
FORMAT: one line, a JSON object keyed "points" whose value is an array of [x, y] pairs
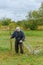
{"points": [[8, 57]]}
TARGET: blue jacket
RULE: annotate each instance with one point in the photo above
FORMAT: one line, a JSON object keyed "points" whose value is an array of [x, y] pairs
{"points": [[18, 36]]}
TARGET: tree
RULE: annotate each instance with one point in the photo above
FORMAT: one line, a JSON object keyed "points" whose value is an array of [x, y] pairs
{"points": [[41, 14], [41, 10], [29, 16], [6, 22], [35, 15], [35, 18], [32, 23]]}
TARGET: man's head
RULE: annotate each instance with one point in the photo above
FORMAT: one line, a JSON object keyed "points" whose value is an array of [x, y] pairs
{"points": [[18, 29]]}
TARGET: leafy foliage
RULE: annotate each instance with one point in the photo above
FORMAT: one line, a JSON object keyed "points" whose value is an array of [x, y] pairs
{"points": [[34, 19], [6, 22]]}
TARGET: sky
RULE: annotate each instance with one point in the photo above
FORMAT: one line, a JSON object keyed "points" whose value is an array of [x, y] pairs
{"points": [[17, 9]]}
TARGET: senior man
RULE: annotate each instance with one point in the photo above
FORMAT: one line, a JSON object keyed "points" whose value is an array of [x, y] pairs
{"points": [[19, 38]]}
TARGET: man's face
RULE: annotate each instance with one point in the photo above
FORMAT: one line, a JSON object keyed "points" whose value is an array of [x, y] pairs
{"points": [[18, 30]]}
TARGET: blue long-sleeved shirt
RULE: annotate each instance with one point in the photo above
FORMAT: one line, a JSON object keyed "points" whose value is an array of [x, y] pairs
{"points": [[18, 35]]}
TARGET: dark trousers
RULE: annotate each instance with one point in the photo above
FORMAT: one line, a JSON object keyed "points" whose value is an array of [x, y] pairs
{"points": [[17, 46]]}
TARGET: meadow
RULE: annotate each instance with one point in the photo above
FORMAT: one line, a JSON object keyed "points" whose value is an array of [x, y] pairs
{"points": [[8, 56]]}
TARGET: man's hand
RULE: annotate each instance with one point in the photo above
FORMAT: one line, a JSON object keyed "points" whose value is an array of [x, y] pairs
{"points": [[20, 41]]}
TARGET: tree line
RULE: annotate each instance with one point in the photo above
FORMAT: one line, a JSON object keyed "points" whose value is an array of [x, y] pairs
{"points": [[34, 19]]}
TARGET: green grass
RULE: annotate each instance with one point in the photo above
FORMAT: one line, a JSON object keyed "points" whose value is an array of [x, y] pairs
{"points": [[8, 57], [34, 33]]}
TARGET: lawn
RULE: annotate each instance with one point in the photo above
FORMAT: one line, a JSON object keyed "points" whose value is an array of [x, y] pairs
{"points": [[8, 57]]}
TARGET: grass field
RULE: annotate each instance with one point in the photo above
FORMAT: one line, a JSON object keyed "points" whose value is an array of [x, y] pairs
{"points": [[8, 57]]}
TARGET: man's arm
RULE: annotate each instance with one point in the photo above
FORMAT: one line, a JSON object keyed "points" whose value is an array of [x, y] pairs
{"points": [[13, 35], [23, 36]]}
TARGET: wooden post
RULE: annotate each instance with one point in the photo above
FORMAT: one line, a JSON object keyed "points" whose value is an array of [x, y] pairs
{"points": [[10, 39]]}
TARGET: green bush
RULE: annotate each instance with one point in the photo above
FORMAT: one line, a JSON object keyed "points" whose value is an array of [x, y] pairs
{"points": [[33, 25]]}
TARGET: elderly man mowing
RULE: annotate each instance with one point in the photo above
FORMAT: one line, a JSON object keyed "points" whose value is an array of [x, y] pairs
{"points": [[19, 38]]}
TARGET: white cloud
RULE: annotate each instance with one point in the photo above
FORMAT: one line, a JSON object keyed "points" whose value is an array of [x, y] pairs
{"points": [[17, 9], [38, 1]]}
